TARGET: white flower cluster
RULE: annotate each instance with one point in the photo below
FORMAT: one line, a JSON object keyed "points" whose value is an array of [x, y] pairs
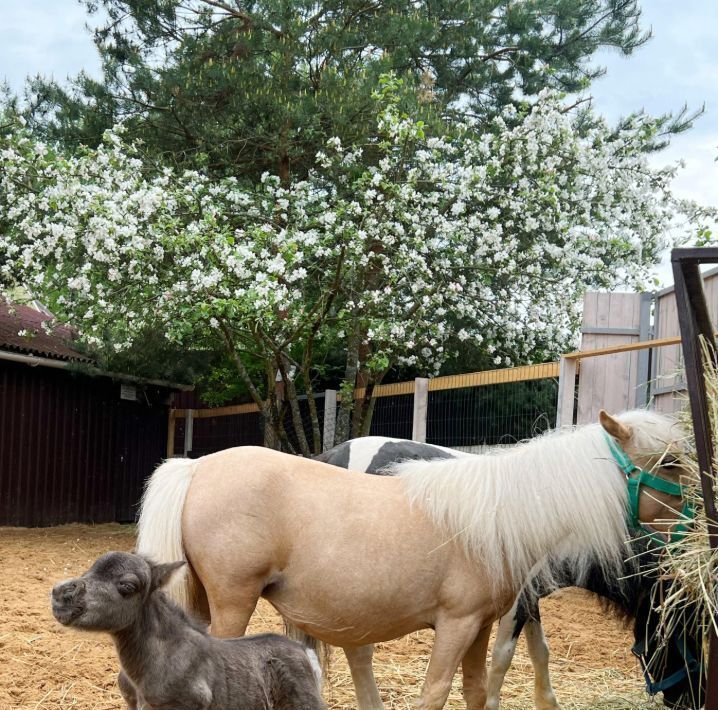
{"points": [[489, 235]]}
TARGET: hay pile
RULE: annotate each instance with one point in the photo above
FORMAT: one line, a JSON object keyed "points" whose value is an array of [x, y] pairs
{"points": [[688, 566]]}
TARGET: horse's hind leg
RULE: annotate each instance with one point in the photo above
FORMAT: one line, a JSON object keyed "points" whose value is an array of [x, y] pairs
{"points": [[473, 667], [538, 650], [452, 640], [230, 615], [359, 658]]}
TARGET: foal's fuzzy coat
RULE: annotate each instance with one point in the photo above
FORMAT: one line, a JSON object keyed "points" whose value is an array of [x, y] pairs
{"points": [[168, 660]]}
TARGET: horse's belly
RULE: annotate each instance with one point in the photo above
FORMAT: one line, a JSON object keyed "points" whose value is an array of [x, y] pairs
{"points": [[350, 622], [343, 557], [353, 599]]}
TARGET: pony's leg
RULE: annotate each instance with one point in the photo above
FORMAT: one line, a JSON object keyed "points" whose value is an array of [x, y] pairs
{"points": [[230, 616], [127, 691], [507, 635], [473, 666], [452, 640], [544, 696], [359, 658]]}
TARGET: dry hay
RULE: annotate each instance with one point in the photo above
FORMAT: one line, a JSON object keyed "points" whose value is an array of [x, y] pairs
{"points": [[688, 566], [43, 665]]}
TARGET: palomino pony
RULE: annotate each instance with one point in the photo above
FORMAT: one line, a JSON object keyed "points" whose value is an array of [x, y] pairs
{"points": [[670, 665], [354, 559]]}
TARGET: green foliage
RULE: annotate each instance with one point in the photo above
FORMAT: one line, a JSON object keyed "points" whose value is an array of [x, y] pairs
{"points": [[243, 88]]}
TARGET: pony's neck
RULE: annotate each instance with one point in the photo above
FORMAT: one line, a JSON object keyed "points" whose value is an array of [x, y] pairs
{"points": [[559, 495], [160, 630]]}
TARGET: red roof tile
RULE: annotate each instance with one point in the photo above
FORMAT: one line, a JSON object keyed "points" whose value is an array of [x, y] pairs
{"points": [[56, 345]]}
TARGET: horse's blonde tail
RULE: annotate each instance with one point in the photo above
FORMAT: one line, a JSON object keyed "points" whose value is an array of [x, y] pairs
{"points": [[159, 529], [321, 650]]}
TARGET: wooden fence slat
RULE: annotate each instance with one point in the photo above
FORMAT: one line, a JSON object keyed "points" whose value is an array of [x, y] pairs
{"points": [[421, 409]]}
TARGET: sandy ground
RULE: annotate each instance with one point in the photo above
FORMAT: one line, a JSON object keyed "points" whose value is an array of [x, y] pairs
{"points": [[43, 665]]}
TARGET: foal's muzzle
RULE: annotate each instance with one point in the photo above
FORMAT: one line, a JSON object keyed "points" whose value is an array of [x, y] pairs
{"points": [[67, 600]]}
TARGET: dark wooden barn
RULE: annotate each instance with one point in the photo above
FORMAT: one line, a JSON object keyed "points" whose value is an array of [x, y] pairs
{"points": [[75, 444]]}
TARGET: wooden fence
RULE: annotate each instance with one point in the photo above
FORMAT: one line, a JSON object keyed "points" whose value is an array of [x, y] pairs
{"points": [[629, 357], [417, 398], [618, 378]]}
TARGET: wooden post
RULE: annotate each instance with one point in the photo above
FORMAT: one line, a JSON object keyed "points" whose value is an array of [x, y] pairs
{"points": [[421, 409], [171, 434], [330, 419], [644, 356], [566, 392], [188, 428]]}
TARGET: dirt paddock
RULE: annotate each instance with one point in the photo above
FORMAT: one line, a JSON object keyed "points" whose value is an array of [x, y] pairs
{"points": [[43, 665]]}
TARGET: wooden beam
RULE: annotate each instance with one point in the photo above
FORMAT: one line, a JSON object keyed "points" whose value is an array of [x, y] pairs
{"points": [[495, 377], [391, 390], [218, 411], [624, 348]]}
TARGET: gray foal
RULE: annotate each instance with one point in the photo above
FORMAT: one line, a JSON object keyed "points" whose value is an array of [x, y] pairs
{"points": [[168, 660]]}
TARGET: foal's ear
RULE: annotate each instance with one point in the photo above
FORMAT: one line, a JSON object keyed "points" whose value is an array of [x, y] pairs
{"points": [[615, 428], [161, 574]]}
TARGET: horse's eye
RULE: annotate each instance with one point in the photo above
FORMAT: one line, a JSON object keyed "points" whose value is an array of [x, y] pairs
{"points": [[126, 588], [669, 462]]}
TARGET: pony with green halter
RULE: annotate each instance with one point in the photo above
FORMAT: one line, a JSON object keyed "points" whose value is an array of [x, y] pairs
{"points": [[637, 477]]}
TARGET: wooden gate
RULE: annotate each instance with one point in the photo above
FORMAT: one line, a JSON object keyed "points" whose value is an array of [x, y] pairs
{"points": [[619, 381]]}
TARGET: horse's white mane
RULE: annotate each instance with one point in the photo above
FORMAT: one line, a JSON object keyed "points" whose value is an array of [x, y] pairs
{"points": [[559, 494]]}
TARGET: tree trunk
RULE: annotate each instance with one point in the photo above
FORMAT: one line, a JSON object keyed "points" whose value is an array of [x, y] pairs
{"points": [[291, 396], [348, 387], [313, 414], [273, 431], [365, 411]]}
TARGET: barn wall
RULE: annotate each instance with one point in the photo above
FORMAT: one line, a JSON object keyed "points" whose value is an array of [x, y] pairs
{"points": [[71, 450]]}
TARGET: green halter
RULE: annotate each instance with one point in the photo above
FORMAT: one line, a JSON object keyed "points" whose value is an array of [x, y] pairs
{"points": [[644, 478]]}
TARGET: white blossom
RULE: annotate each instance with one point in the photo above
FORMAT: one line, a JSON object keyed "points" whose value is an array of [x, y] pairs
{"points": [[492, 237]]}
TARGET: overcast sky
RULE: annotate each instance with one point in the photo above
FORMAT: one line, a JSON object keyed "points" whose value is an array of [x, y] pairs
{"points": [[679, 65]]}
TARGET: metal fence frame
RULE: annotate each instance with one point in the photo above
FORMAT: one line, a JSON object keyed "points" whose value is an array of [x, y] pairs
{"points": [[695, 325]]}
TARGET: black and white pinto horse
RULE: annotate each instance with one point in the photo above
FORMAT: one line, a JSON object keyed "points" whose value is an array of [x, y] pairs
{"points": [[669, 666]]}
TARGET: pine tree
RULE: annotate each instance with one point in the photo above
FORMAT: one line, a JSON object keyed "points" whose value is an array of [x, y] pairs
{"points": [[241, 87]]}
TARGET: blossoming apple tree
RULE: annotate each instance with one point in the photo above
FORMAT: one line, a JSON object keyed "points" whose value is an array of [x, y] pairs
{"points": [[391, 251]]}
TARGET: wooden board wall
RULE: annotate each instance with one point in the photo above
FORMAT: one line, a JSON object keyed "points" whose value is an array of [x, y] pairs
{"points": [[667, 382], [609, 381]]}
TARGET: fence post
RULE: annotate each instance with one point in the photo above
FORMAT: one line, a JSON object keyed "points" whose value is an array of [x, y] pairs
{"points": [[566, 392], [330, 419], [171, 434], [644, 356], [421, 408], [188, 427]]}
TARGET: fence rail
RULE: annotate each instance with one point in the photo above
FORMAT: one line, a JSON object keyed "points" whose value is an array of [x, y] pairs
{"points": [[481, 411], [406, 409]]}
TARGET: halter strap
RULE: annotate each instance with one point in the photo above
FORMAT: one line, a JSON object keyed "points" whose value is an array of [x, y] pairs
{"points": [[644, 478], [692, 669]]}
